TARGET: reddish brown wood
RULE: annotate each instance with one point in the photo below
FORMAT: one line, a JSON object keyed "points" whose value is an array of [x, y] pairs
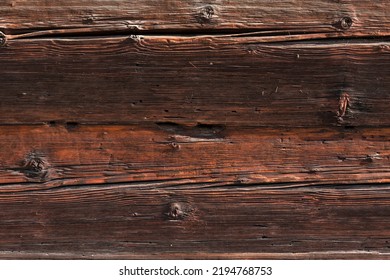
{"points": [[187, 184], [335, 18], [257, 221], [206, 80], [192, 129], [57, 156]]}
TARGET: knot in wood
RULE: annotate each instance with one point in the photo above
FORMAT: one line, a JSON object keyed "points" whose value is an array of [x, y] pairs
{"points": [[345, 23], [384, 48], [35, 166], [344, 103], [175, 211], [88, 20], [175, 146], [205, 15], [3, 39]]}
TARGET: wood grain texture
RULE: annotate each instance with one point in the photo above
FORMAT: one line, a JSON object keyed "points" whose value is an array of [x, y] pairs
{"points": [[191, 80], [194, 129], [163, 191], [45, 157], [359, 18], [127, 222]]}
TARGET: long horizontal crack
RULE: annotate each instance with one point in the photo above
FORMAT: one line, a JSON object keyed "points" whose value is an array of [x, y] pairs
{"points": [[135, 30], [101, 32], [249, 37], [299, 33], [185, 184]]}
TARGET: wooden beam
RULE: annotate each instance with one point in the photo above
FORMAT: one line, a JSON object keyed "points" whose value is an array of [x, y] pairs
{"points": [[197, 222], [191, 80], [340, 18], [51, 156]]}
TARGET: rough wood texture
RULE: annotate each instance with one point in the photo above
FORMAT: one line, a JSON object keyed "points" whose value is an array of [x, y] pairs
{"points": [[194, 129], [359, 18], [195, 80], [62, 155], [129, 222]]}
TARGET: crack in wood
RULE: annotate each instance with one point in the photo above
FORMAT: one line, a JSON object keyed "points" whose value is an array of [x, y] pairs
{"points": [[183, 133], [262, 35]]}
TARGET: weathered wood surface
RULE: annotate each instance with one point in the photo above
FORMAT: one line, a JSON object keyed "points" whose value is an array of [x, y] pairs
{"points": [[195, 80], [60, 155], [158, 222], [171, 129], [359, 18], [193, 193]]}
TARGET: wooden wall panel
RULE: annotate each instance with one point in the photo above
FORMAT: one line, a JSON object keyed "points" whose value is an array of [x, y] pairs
{"points": [[222, 81], [359, 18], [125, 222], [194, 129], [59, 156]]}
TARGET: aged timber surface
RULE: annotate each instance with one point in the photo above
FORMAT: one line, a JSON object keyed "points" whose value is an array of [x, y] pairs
{"points": [[330, 17], [190, 80], [57, 155], [132, 222], [200, 193], [196, 129]]}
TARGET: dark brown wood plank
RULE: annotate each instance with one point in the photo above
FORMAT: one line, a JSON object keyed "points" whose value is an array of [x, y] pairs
{"points": [[171, 129], [120, 220], [43, 157], [358, 18], [190, 80]]}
